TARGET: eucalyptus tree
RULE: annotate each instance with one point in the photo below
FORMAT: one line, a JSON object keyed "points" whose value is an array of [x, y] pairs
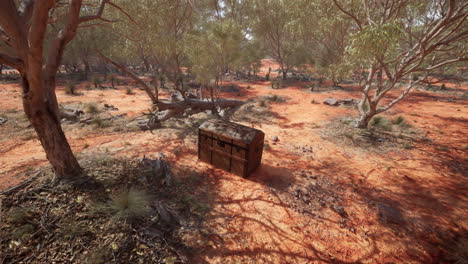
{"points": [[400, 40], [325, 35], [160, 34], [276, 23], [82, 49], [217, 45], [25, 47]]}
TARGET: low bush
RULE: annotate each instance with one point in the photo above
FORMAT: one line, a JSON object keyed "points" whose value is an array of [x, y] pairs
{"points": [[129, 90], [70, 88], [91, 108], [274, 98], [401, 121], [96, 81], [381, 122], [101, 123]]}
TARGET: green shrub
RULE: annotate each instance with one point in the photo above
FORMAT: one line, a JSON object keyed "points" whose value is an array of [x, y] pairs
{"points": [[401, 121], [70, 88], [101, 123], [274, 98], [91, 108], [376, 121], [96, 81], [129, 90], [380, 122]]}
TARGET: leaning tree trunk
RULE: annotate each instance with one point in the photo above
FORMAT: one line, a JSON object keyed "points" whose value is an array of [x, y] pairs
{"points": [[86, 70], [366, 115], [43, 113], [363, 120], [285, 74], [149, 92]]}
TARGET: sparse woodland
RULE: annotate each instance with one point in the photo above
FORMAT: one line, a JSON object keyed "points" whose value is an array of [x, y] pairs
{"points": [[363, 103]]}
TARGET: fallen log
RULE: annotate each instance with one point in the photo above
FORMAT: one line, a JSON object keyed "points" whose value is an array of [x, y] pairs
{"points": [[90, 120], [171, 109], [70, 114]]}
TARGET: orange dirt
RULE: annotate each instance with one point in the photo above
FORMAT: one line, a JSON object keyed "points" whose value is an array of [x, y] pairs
{"points": [[255, 221]]}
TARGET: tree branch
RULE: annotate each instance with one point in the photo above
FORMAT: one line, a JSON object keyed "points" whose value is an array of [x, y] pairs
{"points": [[65, 35], [40, 16], [26, 12], [124, 12], [147, 89], [441, 64], [98, 15], [358, 22], [11, 24], [399, 98], [11, 61]]}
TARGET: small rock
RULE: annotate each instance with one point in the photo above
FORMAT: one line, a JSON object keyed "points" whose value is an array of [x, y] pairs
{"points": [[331, 101], [275, 138], [340, 210]]}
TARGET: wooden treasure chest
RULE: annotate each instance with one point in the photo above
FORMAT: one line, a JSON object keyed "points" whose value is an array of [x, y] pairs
{"points": [[230, 146]]}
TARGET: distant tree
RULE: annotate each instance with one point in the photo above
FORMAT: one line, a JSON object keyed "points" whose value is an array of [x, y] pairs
{"points": [[81, 50], [400, 40], [276, 23], [159, 37], [23, 29], [325, 35], [219, 45]]}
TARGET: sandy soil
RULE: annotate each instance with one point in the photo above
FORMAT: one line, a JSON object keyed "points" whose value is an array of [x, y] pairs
{"points": [[401, 205]]}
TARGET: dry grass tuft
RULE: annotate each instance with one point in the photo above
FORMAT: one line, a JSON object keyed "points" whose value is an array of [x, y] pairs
{"points": [[91, 108], [132, 204]]}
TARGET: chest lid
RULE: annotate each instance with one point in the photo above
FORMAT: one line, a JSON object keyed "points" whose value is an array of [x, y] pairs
{"points": [[231, 130]]}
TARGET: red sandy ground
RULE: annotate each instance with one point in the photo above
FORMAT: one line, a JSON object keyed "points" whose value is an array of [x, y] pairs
{"points": [[254, 221]]}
